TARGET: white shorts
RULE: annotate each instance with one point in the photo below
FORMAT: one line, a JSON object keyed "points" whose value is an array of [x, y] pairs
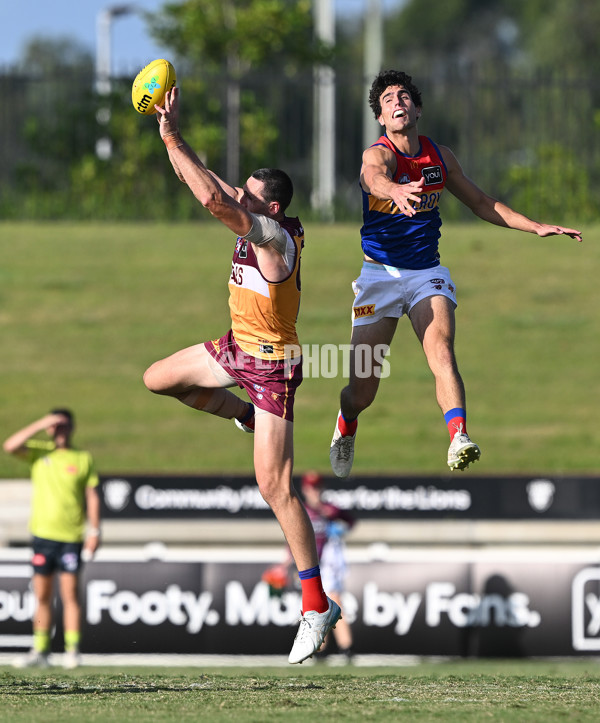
{"points": [[383, 291]]}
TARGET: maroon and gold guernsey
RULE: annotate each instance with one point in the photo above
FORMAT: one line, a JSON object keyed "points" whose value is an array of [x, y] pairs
{"points": [[264, 313]]}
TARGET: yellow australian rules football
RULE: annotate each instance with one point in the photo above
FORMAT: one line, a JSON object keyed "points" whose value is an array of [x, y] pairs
{"points": [[151, 84]]}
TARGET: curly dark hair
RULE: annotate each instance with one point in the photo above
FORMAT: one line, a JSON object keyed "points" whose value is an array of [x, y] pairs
{"points": [[387, 78], [278, 186]]}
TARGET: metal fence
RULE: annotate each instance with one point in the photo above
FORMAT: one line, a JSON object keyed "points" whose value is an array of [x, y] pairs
{"points": [[532, 141]]}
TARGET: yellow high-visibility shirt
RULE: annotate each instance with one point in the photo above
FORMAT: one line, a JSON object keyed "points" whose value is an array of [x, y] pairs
{"points": [[59, 478]]}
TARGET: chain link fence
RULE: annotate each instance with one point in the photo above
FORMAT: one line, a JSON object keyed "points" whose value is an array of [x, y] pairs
{"points": [[532, 141]]}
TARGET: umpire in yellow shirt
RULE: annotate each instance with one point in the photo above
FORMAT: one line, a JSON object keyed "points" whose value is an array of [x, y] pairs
{"points": [[64, 522]]}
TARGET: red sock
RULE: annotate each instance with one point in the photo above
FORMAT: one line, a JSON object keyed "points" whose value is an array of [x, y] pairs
{"points": [[313, 595], [348, 429], [456, 420]]}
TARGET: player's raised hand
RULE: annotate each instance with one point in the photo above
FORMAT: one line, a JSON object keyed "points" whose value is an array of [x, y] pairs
{"points": [[55, 420], [405, 195], [168, 114], [547, 230]]}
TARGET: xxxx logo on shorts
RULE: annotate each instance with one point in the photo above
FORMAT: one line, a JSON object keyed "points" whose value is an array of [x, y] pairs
{"points": [[366, 310]]}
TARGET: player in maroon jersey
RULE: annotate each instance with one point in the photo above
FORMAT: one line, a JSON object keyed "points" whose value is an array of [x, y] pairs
{"points": [[264, 296]]}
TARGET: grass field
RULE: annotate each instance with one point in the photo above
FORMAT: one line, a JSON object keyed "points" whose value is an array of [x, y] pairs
{"points": [[507, 691], [84, 309]]}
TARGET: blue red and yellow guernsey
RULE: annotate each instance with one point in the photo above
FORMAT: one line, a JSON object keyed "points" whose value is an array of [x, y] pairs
{"points": [[263, 313], [390, 237]]}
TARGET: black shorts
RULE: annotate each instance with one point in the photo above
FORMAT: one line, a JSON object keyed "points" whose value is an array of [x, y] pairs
{"points": [[49, 556]]}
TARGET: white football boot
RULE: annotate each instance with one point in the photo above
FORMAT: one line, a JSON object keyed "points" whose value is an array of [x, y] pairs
{"points": [[71, 660], [33, 659], [462, 452], [313, 628], [341, 451]]}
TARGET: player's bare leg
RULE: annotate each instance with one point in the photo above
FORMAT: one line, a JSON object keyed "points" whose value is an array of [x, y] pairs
{"points": [[71, 618], [434, 324], [42, 589], [42, 623], [362, 387], [198, 381], [70, 601], [273, 462], [363, 383]]}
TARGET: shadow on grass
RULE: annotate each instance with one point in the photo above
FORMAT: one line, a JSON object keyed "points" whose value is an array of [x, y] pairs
{"points": [[37, 686]]}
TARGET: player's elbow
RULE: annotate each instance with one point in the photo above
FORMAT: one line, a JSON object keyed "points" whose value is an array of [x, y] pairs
{"points": [[484, 206], [10, 448]]}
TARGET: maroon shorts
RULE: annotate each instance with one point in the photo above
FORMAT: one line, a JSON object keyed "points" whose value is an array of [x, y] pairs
{"points": [[271, 385]]}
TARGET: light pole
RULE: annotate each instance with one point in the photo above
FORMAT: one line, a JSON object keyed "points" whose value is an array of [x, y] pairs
{"points": [[373, 56], [324, 121], [104, 21]]}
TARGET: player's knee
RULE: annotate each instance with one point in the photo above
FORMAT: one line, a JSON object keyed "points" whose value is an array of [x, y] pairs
{"points": [[273, 492], [442, 359], [152, 379], [268, 492]]}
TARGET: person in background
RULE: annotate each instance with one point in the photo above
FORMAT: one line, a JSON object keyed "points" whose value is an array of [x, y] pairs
{"points": [[65, 524]]}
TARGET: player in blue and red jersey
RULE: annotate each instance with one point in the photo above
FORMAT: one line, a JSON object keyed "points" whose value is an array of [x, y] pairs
{"points": [[402, 177]]}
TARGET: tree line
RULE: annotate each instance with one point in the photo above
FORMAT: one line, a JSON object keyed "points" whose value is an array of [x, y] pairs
{"points": [[511, 87]]}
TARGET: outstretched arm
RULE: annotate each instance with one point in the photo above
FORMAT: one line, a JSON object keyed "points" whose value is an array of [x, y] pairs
{"points": [[221, 199], [15, 444], [490, 209]]}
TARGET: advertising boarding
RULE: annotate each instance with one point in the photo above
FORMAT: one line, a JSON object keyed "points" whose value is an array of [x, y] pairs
{"points": [[475, 604]]}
